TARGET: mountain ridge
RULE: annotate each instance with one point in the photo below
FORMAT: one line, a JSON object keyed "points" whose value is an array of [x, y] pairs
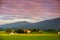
{"points": [[43, 25]]}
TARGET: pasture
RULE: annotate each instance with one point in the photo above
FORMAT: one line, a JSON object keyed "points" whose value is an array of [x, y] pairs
{"points": [[30, 36]]}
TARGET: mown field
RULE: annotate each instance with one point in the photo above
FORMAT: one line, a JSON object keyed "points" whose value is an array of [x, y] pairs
{"points": [[31, 36]]}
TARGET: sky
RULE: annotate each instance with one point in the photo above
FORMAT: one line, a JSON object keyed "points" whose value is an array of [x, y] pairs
{"points": [[28, 10]]}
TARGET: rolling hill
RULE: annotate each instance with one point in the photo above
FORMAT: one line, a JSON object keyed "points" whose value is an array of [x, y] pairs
{"points": [[43, 25]]}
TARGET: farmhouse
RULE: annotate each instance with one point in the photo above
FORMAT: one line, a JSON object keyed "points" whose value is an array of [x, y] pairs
{"points": [[27, 31], [58, 33]]}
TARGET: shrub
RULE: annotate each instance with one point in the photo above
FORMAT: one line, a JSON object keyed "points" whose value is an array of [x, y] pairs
{"points": [[19, 31], [8, 30]]}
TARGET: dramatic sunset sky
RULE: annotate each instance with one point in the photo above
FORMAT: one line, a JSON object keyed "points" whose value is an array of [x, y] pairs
{"points": [[28, 10]]}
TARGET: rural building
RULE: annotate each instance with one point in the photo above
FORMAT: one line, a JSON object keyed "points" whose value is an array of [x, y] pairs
{"points": [[58, 33], [27, 31]]}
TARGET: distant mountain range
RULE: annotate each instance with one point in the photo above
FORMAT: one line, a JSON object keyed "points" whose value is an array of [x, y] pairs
{"points": [[43, 25]]}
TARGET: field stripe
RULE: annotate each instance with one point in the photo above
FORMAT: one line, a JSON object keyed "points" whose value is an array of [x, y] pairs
{"points": [[29, 35]]}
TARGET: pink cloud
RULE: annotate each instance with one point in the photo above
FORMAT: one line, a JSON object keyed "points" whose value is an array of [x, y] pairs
{"points": [[31, 8]]}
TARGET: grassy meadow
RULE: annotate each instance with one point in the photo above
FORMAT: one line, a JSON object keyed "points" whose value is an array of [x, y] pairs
{"points": [[30, 36]]}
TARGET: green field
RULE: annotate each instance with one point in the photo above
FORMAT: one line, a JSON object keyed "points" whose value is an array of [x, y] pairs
{"points": [[29, 37]]}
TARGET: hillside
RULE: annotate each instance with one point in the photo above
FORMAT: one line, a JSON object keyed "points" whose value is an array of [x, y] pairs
{"points": [[43, 25]]}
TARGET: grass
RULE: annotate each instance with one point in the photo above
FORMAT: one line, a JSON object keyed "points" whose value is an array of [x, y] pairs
{"points": [[31, 36], [28, 35]]}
